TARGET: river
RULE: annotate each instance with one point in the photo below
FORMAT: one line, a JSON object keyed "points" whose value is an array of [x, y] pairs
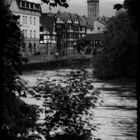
{"points": [[116, 118]]}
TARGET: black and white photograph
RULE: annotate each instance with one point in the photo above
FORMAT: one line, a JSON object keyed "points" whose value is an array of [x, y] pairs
{"points": [[69, 69]]}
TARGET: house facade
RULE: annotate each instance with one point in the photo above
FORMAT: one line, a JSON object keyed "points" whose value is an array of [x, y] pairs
{"points": [[62, 30], [48, 35], [29, 18]]}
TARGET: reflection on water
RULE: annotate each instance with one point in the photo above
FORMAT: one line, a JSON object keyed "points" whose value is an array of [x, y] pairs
{"points": [[116, 118]]}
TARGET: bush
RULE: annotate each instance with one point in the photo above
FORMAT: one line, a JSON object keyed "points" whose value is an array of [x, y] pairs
{"points": [[68, 106]]}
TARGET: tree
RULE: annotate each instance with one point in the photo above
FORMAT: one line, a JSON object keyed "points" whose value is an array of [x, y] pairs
{"points": [[55, 3], [19, 118], [118, 6], [132, 7], [119, 58]]}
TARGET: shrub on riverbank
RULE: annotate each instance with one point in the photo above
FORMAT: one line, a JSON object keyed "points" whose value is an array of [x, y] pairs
{"points": [[68, 104], [119, 55]]}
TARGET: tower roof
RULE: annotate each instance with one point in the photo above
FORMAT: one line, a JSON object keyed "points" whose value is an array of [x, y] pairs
{"points": [[92, 0]]}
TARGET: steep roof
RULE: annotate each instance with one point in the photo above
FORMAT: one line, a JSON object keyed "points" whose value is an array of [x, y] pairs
{"points": [[47, 21], [63, 16], [89, 22], [82, 21], [73, 17], [103, 20]]}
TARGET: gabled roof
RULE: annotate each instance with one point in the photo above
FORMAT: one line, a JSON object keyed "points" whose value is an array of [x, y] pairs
{"points": [[89, 22], [82, 21], [94, 37], [47, 21], [73, 17], [63, 16], [103, 20]]}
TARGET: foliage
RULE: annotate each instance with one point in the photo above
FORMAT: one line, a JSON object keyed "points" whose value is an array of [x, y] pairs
{"points": [[119, 56], [118, 6], [19, 118], [68, 106], [80, 45], [55, 3], [132, 7]]}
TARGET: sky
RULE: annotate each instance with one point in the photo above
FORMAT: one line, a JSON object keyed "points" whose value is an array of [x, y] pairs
{"points": [[80, 7]]}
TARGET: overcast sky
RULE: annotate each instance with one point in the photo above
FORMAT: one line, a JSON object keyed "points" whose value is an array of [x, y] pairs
{"points": [[80, 7]]}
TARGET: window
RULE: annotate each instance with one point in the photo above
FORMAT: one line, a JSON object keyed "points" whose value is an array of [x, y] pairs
{"points": [[76, 19], [23, 4], [20, 3], [26, 33], [34, 34], [23, 32], [30, 33], [41, 37], [37, 7], [53, 37], [32, 6], [30, 47], [23, 20], [41, 29], [34, 20], [69, 20], [30, 20], [27, 5], [34, 47], [45, 41]]}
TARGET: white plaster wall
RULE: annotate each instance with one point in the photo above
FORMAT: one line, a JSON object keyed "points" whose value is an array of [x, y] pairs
{"points": [[16, 11], [98, 28]]}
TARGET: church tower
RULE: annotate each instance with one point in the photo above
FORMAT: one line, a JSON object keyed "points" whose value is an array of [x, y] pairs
{"points": [[93, 8]]}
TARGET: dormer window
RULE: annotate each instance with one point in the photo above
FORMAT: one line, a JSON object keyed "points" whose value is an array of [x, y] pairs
{"points": [[37, 7], [30, 20], [32, 6], [76, 20], [23, 4], [69, 20], [20, 3], [27, 5]]}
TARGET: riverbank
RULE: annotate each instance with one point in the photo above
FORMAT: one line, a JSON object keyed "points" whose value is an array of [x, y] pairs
{"points": [[58, 64]]}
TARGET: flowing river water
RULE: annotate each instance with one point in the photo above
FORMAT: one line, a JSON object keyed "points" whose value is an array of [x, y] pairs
{"points": [[116, 118]]}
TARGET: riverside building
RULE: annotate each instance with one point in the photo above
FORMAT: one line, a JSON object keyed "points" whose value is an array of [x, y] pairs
{"points": [[29, 18], [62, 30]]}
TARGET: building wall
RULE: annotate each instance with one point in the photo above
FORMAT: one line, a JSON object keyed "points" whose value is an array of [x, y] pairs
{"points": [[93, 8], [98, 28], [30, 26]]}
